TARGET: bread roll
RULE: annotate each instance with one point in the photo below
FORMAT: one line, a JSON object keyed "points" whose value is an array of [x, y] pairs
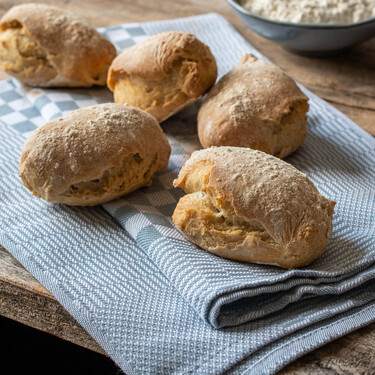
{"points": [[246, 205], [163, 74], [49, 47], [93, 155], [255, 105]]}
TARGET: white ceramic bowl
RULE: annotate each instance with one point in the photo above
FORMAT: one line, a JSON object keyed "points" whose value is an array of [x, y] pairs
{"points": [[307, 39]]}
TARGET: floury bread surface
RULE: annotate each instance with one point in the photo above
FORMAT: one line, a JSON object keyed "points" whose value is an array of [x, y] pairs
{"points": [[94, 155], [246, 205], [45, 46], [255, 105], [163, 74]]}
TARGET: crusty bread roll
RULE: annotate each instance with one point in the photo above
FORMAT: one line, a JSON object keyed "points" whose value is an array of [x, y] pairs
{"points": [[246, 205], [93, 155], [163, 74], [255, 105], [49, 47]]}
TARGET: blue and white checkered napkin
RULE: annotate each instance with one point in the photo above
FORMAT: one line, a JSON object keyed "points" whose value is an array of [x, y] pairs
{"points": [[151, 299]]}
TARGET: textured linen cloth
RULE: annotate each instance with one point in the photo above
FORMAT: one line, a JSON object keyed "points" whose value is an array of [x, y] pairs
{"points": [[154, 302]]}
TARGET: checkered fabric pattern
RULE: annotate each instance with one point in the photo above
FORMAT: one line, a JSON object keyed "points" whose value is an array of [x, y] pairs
{"points": [[154, 302]]}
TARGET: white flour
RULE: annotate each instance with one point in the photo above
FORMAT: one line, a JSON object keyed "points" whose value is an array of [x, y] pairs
{"points": [[313, 11]]}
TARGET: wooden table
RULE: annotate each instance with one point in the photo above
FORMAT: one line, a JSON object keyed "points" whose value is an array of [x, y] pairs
{"points": [[346, 81]]}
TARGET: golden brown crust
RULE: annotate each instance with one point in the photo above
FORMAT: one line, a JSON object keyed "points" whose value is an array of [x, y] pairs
{"points": [[255, 105], [163, 73], [76, 54], [246, 205], [93, 155]]}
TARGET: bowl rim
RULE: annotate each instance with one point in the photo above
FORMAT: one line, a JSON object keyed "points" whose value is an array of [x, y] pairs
{"points": [[246, 12]]}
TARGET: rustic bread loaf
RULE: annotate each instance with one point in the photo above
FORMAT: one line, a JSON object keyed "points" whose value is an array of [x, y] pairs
{"points": [[255, 105], [246, 205], [45, 46], [93, 155], [163, 74]]}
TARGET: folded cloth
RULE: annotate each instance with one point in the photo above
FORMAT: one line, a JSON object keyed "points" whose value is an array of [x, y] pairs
{"points": [[152, 300]]}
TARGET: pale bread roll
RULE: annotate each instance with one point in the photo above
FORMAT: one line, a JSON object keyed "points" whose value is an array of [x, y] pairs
{"points": [[94, 155], [45, 46], [255, 105], [246, 205], [163, 74]]}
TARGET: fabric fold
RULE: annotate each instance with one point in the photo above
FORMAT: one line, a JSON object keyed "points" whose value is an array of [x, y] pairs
{"points": [[153, 301], [227, 293]]}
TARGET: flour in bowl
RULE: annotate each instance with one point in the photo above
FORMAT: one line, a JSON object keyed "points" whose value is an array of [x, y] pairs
{"points": [[313, 11]]}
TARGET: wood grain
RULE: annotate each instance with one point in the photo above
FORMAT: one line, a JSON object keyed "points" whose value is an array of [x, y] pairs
{"points": [[346, 81], [351, 354], [24, 299]]}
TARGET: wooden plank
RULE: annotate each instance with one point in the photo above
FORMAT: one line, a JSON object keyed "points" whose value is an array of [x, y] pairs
{"points": [[346, 81], [24, 299], [351, 354]]}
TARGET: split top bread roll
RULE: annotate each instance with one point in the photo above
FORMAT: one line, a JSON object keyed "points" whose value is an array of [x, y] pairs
{"points": [[49, 47], [93, 155], [255, 105], [246, 205], [163, 74]]}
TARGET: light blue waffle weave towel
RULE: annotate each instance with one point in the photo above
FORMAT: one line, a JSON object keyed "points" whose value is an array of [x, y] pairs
{"points": [[154, 302]]}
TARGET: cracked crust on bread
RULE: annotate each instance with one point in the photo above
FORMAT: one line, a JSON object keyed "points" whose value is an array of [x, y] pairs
{"points": [[45, 46], [94, 155], [255, 105], [249, 206], [163, 74]]}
